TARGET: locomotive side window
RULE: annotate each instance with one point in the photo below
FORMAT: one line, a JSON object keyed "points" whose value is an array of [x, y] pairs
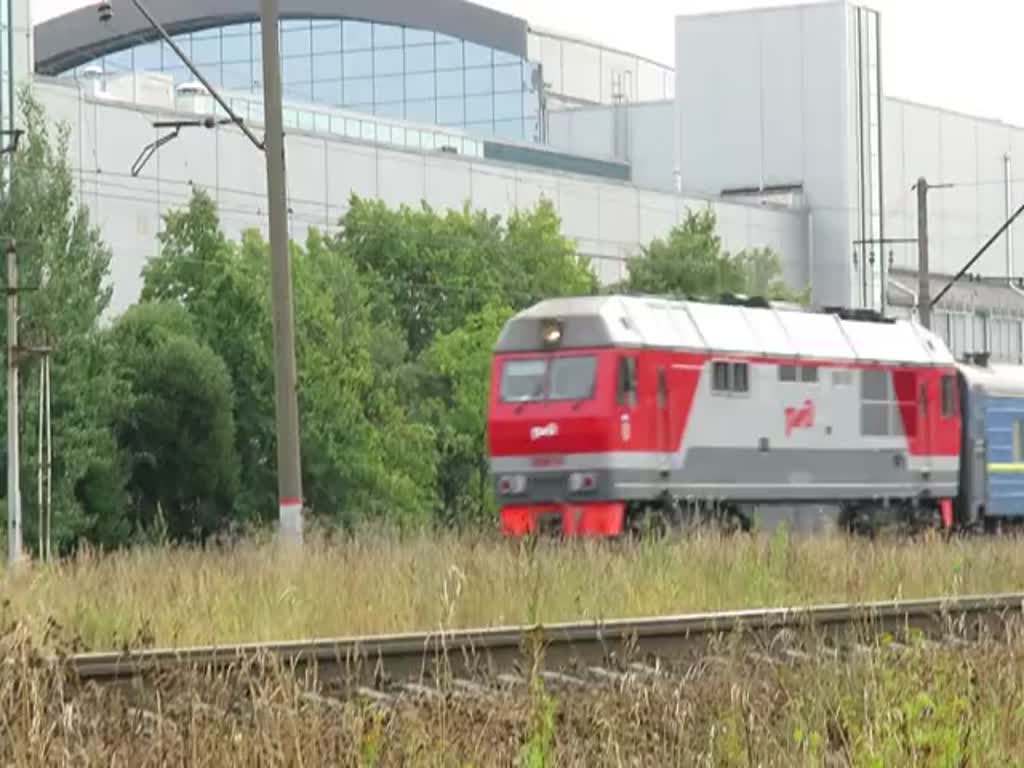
{"points": [[720, 382], [730, 377], [627, 382], [948, 397], [842, 378], [791, 374], [878, 413], [740, 377]]}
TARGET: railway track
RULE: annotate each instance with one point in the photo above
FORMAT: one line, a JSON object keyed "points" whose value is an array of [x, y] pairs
{"points": [[378, 663]]}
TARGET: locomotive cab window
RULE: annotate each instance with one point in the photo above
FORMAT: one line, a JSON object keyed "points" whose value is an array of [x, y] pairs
{"points": [[522, 381], [561, 378], [730, 377], [572, 378]]}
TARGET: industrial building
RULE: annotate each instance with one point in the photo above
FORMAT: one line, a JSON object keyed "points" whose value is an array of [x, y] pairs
{"points": [[775, 118]]}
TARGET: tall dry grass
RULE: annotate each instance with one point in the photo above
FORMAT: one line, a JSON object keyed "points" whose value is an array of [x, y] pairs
{"points": [[378, 583]]}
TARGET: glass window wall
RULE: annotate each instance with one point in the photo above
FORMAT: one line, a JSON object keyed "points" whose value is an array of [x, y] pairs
{"points": [[579, 73], [380, 69]]}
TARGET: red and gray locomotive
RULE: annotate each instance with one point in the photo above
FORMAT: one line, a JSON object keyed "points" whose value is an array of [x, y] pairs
{"points": [[610, 413]]}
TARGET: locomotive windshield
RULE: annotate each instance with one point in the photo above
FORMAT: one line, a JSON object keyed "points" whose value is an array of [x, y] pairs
{"points": [[559, 378]]}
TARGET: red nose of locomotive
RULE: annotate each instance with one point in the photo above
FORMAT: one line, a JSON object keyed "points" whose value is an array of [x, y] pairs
{"points": [[549, 433]]}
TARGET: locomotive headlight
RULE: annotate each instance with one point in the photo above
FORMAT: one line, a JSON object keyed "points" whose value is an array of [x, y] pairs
{"points": [[582, 482], [551, 332], [512, 485]]}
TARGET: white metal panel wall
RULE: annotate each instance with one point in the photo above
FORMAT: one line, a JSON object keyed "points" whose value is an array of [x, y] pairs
{"points": [[610, 221], [651, 136], [947, 147], [647, 135], [583, 131], [763, 97], [718, 87]]}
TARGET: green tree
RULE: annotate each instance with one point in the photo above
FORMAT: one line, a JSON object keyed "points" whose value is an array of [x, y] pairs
{"points": [[362, 455], [224, 287], [449, 281], [692, 262], [369, 459], [64, 264], [430, 272], [761, 271], [459, 367], [179, 432]]}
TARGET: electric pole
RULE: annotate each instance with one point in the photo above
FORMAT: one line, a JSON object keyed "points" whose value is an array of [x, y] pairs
{"points": [[289, 470], [13, 452], [924, 300]]}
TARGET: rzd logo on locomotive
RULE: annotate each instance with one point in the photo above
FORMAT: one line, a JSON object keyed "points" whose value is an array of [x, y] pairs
{"points": [[548, 430], [801, 417]]}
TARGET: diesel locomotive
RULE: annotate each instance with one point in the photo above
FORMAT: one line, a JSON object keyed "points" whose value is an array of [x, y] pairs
{"points": [[611, 413]]}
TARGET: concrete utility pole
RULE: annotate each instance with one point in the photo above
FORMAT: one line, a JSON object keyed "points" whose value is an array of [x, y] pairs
{"points": [[287, 408], [13, 451], [924, 301]]}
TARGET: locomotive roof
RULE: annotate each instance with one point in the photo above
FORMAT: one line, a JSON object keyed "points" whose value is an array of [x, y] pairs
{"points": [[634, 321]]}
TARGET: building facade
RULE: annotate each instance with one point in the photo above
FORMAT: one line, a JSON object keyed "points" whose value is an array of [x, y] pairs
{"points": [[774, 118]]}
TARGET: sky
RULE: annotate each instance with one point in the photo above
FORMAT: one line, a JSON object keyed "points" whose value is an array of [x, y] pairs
{"points": [[959, 55]]}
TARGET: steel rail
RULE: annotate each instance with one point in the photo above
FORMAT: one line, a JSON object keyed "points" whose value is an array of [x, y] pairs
{"points": [[672, 639]]}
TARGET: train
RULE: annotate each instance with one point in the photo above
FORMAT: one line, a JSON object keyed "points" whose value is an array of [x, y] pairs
{"points": [[610, 415]]}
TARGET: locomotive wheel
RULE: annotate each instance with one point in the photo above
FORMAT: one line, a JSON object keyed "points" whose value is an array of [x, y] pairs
{"points": [[647, 520]]}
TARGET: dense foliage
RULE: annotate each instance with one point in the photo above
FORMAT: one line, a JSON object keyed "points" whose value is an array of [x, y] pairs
{"points": [[692, 262], [163, 418]]}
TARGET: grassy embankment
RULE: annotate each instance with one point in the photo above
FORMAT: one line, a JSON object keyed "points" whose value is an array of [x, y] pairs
{"points": [[381, 584], [916, 706]]}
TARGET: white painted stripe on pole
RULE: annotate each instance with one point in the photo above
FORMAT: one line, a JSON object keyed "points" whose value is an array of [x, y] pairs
{"points": [[290, 515]]}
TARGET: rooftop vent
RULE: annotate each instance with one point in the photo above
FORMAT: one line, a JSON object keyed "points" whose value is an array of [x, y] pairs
{"points": [[859, 315]]}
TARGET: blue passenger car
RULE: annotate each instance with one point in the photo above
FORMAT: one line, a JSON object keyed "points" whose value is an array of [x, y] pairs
{"points": [[992, 452]]}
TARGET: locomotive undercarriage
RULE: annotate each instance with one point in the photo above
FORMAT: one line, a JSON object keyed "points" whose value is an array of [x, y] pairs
{"points": [[668, 513], [907, 517]]}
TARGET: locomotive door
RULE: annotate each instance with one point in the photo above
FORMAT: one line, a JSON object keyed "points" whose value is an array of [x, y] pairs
{"points": [[663, 423], [925, 419]]}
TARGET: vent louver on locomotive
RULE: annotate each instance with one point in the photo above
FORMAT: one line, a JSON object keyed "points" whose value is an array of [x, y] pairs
{"points": [[859, 315]]}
